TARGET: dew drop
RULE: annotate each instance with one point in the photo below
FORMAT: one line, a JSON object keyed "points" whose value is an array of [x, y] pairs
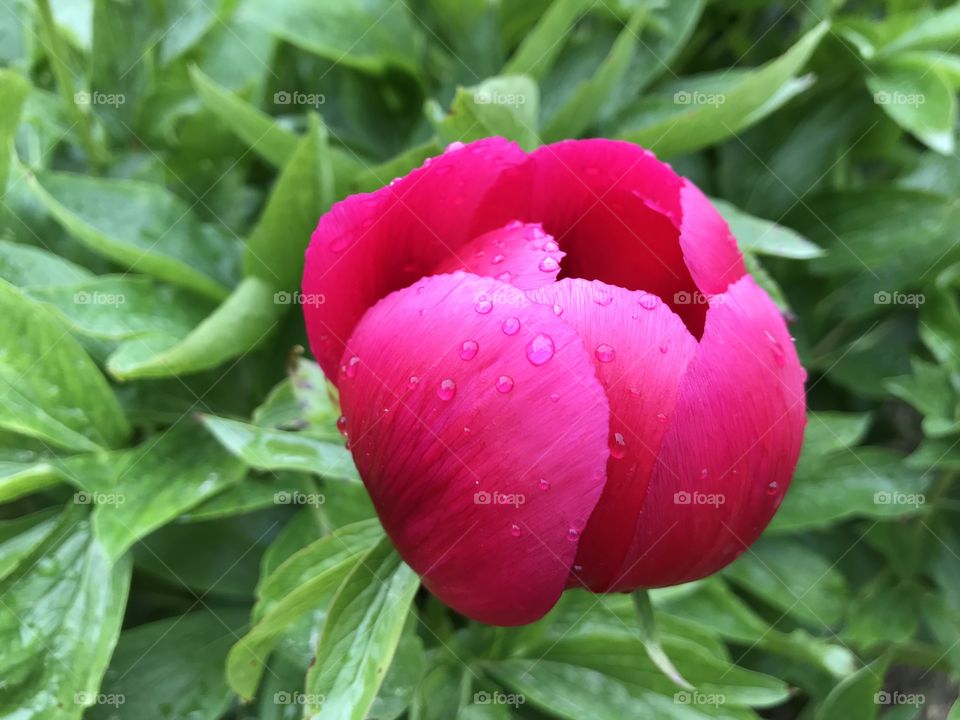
{"points": [[540, 349], [510, 326], [514, 224], [618, 448], [661, 418], [550, 246], [663, 349], [605, 353], [505, 277], [483, 306], [648, 301], [468, 350], [504, 384], [573, 534], [447, 389], [497, 259], [544, 484], [413, 382], [772, 488], [342, 425], [603, 299], [351, 369], [779, 357], [703, 474], [557, 310], [479, 253], [421, 289], [548, 264], [554, 397], [515, 530]]}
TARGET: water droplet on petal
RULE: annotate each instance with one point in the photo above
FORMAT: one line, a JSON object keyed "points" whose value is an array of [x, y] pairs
{"points": [[550, 246], [479, 253], [510, 326], [504, 384], [703, 474], [618, 448], [420, 289], [447, 389], [497, 259], [557, 310], [505, 277], [605, 353], [342, 425], [514, 224], [540, 349], [544, 484], [515, 530], [548, 264], [554, 397], [468, 350], [413, 382], [772, 488], [483, 306], [351, 369], [661, 418], [603, 299], [573, 534], [648, 301], [779, 357], [663, 349]]}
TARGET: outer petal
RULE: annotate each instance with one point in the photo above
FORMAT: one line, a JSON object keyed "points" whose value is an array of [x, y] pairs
{"points": [[485, 466], [518, 253], [372, 244], [641, 350], [731, 447]]}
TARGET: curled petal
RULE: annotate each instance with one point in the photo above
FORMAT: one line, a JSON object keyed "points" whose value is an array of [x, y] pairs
{"points": [[521, 254], [731, 447], [479, 427], [374, 243], [640, 349]]}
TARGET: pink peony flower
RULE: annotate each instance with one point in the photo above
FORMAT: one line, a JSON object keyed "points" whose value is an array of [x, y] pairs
{"points": [[554, 372]]}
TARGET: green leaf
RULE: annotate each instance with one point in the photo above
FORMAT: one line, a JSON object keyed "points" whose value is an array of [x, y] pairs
{"points": [[120, 307], [919, 99], [696, 112], [262, 134], [59, 621], [27, 266], [764, 237], [583, 106], [172, 668], [19, 537], [651, 641], [938, 28], [855, 696], [360, 635], [306, 581], [269, 449], [142, 227], [543, 43], [506, 105], [237, 327], [52, 389], [13, 91], [369, 36], [174, 472], [794, 579], [302, 193]]}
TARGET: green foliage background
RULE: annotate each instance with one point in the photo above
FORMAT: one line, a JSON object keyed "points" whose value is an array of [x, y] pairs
{"points": [[164, 551]]}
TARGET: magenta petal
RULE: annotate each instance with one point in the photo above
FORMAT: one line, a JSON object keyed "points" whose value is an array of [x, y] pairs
{"points": [[479, 427], [709, 249], [640, 349], [372, 244], [520, 254], [731, 447]]}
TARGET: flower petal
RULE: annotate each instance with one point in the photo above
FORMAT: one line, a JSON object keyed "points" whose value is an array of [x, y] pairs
{"points": [[731, 447], [521, 254], [480, 431], [374, 243], [641, 350]]}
